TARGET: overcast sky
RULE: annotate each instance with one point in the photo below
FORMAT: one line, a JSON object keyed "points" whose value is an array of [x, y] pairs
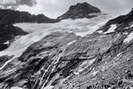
{"points": [[54, 8]]}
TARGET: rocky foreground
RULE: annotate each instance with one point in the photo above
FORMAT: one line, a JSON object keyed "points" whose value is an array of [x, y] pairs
{"points": [[61, 60]]}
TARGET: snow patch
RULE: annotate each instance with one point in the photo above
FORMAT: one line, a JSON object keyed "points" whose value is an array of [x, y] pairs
{"points": [[16, 88], [131, 26], [127, 27], [100, 31], [7, 43], [111, 29], [71, 43], [129, 38]]}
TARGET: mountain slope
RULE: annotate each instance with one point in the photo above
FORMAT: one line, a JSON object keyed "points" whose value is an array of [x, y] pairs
{"points": [[63, 60], [81, 10], [8, 16]]}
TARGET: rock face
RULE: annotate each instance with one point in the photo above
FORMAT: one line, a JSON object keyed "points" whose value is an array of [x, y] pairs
{"points": [[61, 60], [81, 10]]}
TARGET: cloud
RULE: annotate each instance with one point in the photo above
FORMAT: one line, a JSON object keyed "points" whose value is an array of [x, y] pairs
{"points": [[26, 2], [9, 3]]}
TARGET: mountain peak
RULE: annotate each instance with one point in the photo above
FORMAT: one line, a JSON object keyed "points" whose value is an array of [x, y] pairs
{"points": [[80, 10]]}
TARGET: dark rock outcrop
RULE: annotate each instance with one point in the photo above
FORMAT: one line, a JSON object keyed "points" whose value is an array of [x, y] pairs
{"points": [[81, 10]]}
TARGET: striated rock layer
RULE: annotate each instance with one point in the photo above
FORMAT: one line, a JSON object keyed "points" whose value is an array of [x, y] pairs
{"points": [[61, 60]]}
